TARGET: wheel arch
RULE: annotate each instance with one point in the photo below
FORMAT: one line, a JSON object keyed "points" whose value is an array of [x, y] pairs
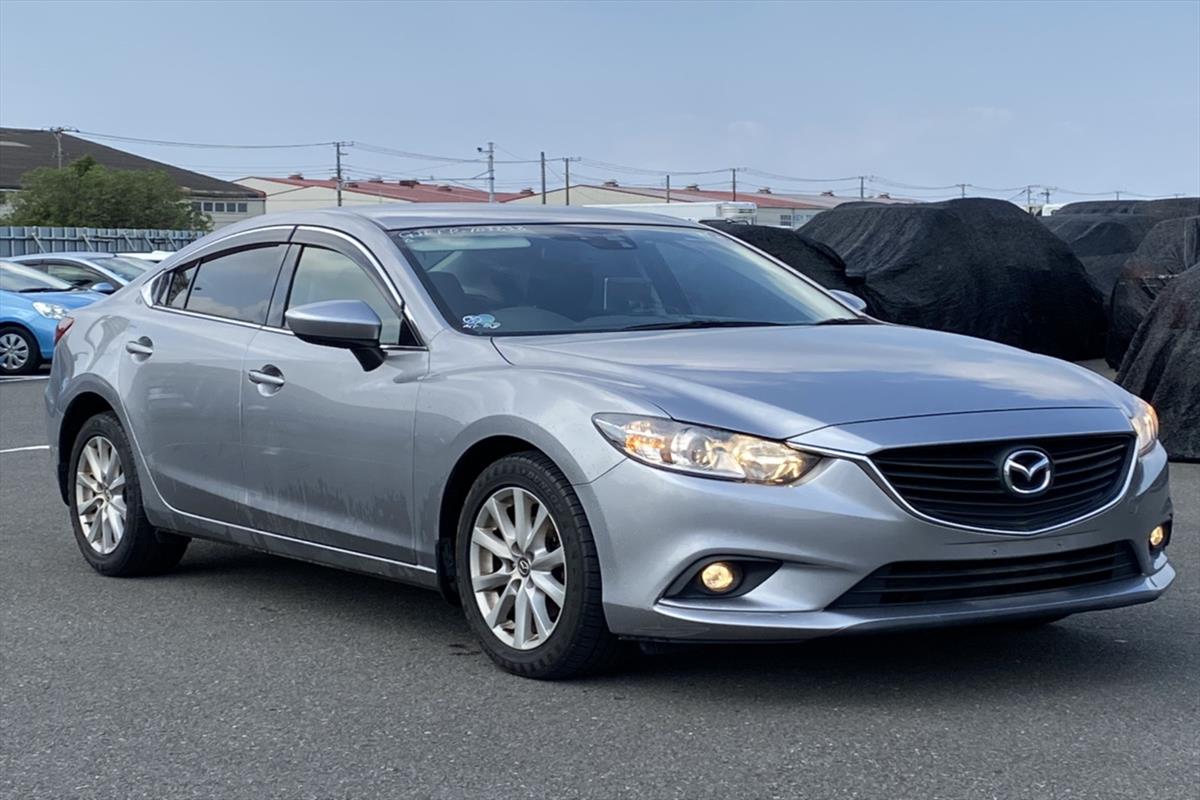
{"points": [[473, 461], [82, 407]]}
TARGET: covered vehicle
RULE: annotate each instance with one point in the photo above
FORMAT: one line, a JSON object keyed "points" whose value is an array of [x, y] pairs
{"points": [[1171, 248], [31, 304], [1162, 364], [978, 267], [810, 257], [1103, 234]]}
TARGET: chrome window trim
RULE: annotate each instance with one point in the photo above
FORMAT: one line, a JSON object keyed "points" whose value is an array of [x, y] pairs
{"points": [[212, 317], [874, 473], [385, 347]]}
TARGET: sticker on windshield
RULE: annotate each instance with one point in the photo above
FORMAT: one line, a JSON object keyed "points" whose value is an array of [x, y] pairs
{"points": [[480, 322]]}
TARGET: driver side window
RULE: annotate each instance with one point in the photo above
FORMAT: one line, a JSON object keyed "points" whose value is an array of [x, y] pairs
{"points": [[328, 275]]}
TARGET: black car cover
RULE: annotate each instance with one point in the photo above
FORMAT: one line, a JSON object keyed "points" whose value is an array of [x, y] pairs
{"points": [[976, 266], [813, 259], [1171, 247], [1162, 364]]}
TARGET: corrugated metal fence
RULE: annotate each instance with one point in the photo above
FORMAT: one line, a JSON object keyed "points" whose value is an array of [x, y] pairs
{"points": [[20, 241]]}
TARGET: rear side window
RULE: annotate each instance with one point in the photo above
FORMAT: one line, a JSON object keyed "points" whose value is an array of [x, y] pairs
{"points": [[237, 285]]}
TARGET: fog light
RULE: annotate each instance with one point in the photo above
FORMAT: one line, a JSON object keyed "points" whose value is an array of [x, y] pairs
{"points": [[720, 577], [1157, 537]]}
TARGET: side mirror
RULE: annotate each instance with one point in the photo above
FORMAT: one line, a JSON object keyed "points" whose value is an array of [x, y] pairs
{"points": [[349, 324], [103, 287], [852, 300]]}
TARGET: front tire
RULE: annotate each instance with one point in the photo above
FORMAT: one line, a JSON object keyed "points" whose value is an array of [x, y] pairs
{"points": [[528, 574], [105, 497], [19, 351]]}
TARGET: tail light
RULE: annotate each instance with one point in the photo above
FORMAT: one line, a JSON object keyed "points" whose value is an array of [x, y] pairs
{"points": [[62, 327]]}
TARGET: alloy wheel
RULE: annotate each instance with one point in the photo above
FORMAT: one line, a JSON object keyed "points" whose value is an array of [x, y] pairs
{"points": [[518, 568], [14, 352], [100, 495]]}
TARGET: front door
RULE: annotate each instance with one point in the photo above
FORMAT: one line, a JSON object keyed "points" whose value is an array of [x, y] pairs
{"points": [[328, 445]]}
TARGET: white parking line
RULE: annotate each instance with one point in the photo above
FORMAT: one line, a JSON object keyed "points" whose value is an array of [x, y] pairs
{"points": [[24, 449], [22, 380]]}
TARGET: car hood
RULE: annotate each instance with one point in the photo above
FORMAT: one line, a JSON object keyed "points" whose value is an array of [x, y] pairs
{"points": [[784, 381]]}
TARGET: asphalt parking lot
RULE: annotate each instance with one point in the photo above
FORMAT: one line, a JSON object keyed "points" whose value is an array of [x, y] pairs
{"points": [[244, 675]]}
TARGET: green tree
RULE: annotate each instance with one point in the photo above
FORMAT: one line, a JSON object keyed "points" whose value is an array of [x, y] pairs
{"points": [[87, 195]]}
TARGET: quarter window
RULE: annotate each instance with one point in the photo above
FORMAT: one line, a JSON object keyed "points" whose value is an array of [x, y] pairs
{"points": [[237, 285], [176, 291], [328, 275]]}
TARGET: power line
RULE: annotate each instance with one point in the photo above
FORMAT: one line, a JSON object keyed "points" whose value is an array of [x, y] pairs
{"points": [[210, 146]]}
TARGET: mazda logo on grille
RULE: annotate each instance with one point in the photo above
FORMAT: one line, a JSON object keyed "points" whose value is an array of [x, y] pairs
{"points": [[1027, 472]]}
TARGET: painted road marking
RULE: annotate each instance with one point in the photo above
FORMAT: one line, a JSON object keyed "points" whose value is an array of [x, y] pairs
{"points": [[24, 449], [22, 380]]}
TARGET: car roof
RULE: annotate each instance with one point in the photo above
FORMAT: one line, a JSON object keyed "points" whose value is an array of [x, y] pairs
{"points": [[421, 215], [400, 216]]}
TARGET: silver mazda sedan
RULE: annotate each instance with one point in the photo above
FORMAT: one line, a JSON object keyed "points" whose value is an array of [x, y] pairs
{"points": [[587, 426]]}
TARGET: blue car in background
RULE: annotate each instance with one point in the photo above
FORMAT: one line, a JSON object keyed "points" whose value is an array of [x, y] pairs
{"points": [[31, 305]]}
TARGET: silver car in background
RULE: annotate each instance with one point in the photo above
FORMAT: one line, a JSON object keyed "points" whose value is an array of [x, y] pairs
{"points": [[590, 425], [100, 272]]}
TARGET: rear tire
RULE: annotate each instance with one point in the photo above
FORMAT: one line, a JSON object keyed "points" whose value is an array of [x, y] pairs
{"points": [[105, 498], [19, 351], [556, 559]]}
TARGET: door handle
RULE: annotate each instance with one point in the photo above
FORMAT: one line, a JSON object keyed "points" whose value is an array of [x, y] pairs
{"points": [[267, 376], [140, 347]]}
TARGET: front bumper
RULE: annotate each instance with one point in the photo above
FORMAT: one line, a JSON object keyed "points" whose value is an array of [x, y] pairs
{"points": [[830, 531]]}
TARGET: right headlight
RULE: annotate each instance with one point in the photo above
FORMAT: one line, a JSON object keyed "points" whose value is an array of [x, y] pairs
{"points": [[1145, 424], [50, 310], [709, 452]]}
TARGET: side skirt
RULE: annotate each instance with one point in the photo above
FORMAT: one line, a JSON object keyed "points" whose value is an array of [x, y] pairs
{"points": [[312, 552]]}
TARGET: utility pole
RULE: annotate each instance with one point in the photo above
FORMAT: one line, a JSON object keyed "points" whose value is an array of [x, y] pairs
{"points": [[337, 149], [733, 172], [567, 176], [1046, 190], [1028, 197], [963, 190], [1118, 194], [543, 177], [668, 188], [58, 151], [491, 169], [862, 187]]}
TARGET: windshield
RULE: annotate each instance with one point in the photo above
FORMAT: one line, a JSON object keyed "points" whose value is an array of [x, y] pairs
{"points": [[125, 268], [15, 278], [495, 280]]}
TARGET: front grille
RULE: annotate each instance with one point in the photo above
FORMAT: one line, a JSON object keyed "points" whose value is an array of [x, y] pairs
{"points": [[961, 483], [921, 582]]}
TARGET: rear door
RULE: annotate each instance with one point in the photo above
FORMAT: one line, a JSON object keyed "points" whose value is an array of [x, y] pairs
{"points": [[181, 373], [328, 444]]}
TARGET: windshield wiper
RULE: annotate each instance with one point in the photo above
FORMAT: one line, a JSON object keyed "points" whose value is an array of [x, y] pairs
{"points": [[41, 289], [700, 323], [846, 321]]}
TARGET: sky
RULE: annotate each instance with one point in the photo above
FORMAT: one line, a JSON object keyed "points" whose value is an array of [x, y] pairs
{"points": [[1085, 97]]}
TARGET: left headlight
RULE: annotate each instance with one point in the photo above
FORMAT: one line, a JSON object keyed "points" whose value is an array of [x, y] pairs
{"points": [[1145, 424], [51, 310], [709, 452]]}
